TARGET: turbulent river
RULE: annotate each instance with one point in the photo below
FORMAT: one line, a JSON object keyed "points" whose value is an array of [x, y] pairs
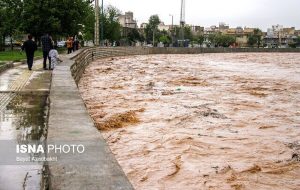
{"points": [[207, 121]]}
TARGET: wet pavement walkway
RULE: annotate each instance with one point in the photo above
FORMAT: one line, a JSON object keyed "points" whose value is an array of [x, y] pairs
{"points": [[23, 116]]}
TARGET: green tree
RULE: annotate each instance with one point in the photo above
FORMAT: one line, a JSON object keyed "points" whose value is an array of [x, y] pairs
{"points": [[60, 18], [112, 27], [212, 39], [165, 39], [134, 36], [188, 33], [55, 16], [258, 35], [2, 36], [295, 42], [11, 11], [224, 40], [255, 38], [88, 25], [200, 40], [251, 40], [152, 28]]}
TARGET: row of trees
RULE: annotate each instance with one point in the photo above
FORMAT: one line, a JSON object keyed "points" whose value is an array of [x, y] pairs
{"points": [[68, 17], [57, 17], [153, 34], [60, 18]]}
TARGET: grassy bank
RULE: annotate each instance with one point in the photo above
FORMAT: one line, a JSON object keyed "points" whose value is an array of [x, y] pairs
{"points": [[16, 55]]}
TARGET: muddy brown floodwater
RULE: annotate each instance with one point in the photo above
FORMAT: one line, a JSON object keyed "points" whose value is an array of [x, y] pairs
{"points": [[207, 121]]}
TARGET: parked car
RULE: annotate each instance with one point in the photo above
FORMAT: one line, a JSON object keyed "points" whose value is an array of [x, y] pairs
{"points": [[61, 44], [17, 43]]}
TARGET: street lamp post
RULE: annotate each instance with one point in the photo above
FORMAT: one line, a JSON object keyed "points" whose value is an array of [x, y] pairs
{"points": [[172, 20], [102, 23], [172, 29], [153, 37], [96, 35]]}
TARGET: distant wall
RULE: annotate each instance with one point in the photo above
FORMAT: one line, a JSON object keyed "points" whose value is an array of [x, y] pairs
{"points": [[82, 60]]}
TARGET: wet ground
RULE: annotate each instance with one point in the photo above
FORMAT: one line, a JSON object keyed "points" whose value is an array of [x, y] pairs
{"points": [[209, 121], [23, 116]]}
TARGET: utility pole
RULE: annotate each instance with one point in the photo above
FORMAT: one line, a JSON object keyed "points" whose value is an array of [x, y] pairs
{"points": [[153, 36], [172, 20], [96, 35], [172, 29], [182, 20], [102, 23]]}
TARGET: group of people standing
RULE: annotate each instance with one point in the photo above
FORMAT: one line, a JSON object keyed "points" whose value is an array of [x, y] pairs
{"points": [[49, 51], [72, 45]]}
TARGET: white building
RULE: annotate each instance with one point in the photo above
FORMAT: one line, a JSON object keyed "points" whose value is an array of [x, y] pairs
{"points": [[143, 25], [162, 27], [127, 20], [274, 31]]}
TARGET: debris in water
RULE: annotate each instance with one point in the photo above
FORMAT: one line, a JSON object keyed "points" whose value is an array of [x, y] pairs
{"points": [[120, 120]]}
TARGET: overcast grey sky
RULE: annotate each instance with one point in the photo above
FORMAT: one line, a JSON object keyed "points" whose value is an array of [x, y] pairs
{"points": [[251, 13]]}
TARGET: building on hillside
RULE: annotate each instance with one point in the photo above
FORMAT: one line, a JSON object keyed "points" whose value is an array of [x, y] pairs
{"points": [[229, 31], [278, 36], [297, 32], [197, 30], [288, 32], [223, 26], [211, 30], [275, 31], [239, 31], [143, 25], [128, 23], [127, 20], [270, 32], [248, 31], [162, 27]]}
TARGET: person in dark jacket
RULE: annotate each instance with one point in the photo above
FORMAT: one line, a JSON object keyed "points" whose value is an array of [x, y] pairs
{"points": [[46, 47], [30, 47]]}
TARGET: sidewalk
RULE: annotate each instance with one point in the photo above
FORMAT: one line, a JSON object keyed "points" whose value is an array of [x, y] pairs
{"points": [[23, 113]]}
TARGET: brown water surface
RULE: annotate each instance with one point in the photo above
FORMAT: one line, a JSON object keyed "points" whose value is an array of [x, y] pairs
{"points": [[208, 121]]}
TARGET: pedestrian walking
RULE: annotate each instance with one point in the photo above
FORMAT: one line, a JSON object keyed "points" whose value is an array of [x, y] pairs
{"points": [[54, 56], [75, 44], [70, 45], [46, 46], [30, 47]]}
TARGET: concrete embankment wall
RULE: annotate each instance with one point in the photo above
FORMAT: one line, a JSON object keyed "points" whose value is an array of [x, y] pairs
{"points": [[86, 56], [70, 124], [69, 120]]}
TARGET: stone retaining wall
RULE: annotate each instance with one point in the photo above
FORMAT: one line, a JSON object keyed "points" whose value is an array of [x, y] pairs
{"points": [[86, 56], [70, 123]]}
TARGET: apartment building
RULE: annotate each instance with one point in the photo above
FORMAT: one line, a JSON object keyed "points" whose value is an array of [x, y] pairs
{"points": [[127, 20]]}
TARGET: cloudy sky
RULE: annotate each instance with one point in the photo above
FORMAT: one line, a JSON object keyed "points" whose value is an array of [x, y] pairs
{"points": [[251, 13]]}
